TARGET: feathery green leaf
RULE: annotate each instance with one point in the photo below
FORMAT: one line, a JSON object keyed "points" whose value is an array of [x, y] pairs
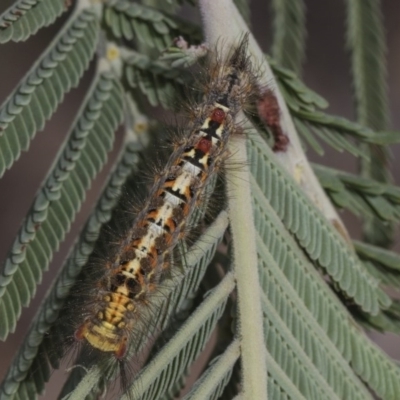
{"points": [[55, 206], [159, 83], [314, 336], [385, 266], [288, 46], [329, 317], [280, 387], [42, 89], [387, 259], [362, 196], [147, 25], [319, 239], [375, 368], [297, 95], [175, 357], [30, 356], [335, 131], [289, 354], [25, 17], [366, 41], [213, 381]]}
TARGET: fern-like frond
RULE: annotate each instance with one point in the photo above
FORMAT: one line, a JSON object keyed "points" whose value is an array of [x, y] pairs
{"points": [[390, 320], [319, 239], [157, 81], [297, 95], [329, 318], [280, 271], [375, 368], [180, 58], [280, 387], [334, 138], [388, 277], [383, 263], [185, 346], [366, 41], [335, 131], [40, 92], [30, 356], [310, 379], [25, 17], [288, 46], [385, 321], [213, 381], [386, 258], [362, 196], [146, 25], [314, 358], [60, 197]]}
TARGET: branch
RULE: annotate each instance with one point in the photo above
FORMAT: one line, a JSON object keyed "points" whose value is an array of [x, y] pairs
{"points": [[254, 367]]}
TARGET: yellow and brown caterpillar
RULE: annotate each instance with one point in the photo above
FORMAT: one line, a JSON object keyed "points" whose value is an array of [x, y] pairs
{"points": [[142, 256]]}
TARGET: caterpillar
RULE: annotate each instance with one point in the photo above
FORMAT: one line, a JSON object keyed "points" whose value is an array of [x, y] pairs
{"points": [[144, 254], [106, 316]]}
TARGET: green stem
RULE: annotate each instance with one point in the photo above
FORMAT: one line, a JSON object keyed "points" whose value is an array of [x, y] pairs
{"points": [[289, 33], [366, 40], [216, 374], [250, 319]]}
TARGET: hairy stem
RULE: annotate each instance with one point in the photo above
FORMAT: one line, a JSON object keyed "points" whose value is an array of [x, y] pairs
{"points": [[254, 368], [218, 17]]}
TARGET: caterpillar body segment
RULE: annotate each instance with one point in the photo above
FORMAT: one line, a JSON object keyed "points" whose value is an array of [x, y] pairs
{"points": [[135, 270]]}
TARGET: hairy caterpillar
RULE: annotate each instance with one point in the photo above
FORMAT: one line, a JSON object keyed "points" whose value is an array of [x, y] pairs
{"points": [[112, 307], [144, 254]]}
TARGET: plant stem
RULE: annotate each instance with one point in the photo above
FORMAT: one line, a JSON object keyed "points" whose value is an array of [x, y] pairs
{"points": [[366, 41], [250, 321], [216, 373]]}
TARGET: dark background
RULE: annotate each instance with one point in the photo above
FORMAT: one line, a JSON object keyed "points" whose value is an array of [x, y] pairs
{"points": [[326, 70]]}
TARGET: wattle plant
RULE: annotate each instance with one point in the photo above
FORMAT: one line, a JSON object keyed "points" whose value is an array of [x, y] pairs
{"points": [[271, 289]]}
